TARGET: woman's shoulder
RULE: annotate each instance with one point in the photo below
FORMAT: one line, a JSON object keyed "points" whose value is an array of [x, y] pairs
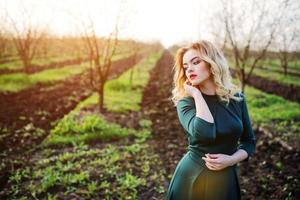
{"points": [[188, 100], [241, 96], [242, 101]]}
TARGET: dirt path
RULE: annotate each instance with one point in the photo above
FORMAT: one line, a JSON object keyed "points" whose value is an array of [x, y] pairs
{"points": [[169, 139]]}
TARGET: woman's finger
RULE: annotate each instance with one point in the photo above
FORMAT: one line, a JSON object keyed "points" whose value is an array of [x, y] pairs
{"points": [[209, 166], [213, 155], [212, 161], [187, 82]]}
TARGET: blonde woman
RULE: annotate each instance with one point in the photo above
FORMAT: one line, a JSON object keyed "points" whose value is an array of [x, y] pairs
{"points": [[215, 119]]}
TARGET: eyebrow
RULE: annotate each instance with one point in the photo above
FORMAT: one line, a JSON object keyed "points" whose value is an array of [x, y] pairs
{"points": [[191, 60]]}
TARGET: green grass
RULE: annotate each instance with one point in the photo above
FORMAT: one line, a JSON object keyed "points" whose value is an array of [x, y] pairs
{"points": [[279, 77], [295, 64], [265, 108], [14, 82], [53, 75], [73, 128], [114, 172], [118, 90], [269, 64], [18, 64], [70, 130], [275, 113], [67, 164], [271, 75], [52, 59], [20, 81]]}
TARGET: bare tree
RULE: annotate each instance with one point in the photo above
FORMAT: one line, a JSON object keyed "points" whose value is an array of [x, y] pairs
{"points": [[4, 36], [288, 36], [100, 53], [43, 47], [285, 43], [3, 45], [26, 38], [249, 30], [100, 50], [136, 47]]}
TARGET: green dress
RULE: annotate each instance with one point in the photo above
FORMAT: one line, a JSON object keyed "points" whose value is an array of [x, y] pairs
{"points": [[230, 131]]}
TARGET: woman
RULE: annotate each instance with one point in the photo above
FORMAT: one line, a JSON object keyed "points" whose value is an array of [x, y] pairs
{"points": [[214, 116]]}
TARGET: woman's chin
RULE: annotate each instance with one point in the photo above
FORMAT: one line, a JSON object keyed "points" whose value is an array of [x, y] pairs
{"points": [[195, 82]]}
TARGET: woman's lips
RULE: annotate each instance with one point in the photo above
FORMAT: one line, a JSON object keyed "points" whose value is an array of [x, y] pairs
{"points": [[193, 76]]}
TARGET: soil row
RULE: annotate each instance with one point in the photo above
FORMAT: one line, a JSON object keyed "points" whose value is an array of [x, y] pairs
{"points": [[290, 92]]}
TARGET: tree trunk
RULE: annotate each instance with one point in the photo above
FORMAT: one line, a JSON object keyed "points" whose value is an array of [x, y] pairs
{"points": [[243, 85], [243, 80], [285, 66], [131, 77], [285, 69], [101, 98]]}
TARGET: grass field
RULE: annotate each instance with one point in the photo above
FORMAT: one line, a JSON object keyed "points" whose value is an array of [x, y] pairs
{"points": [[20, 81]]}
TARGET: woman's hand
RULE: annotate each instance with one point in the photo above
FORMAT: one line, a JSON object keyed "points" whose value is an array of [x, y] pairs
{"points": [[218, 161], [189, 89]]}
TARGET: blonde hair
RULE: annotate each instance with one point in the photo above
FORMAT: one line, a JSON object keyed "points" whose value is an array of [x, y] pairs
{"points": [[219, 68]]}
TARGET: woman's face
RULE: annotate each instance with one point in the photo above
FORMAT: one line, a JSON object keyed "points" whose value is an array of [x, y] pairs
{"points": [[196, 70]]}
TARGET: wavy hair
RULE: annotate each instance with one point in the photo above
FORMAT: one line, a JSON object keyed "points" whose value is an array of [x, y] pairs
{"points": [[218, 66]]}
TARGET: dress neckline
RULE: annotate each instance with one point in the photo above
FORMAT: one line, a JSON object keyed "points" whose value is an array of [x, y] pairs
{"points": [[209, 95]]}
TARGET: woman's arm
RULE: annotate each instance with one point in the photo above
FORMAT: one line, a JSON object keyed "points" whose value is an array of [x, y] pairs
{"points": [[202, 110], [238, 156], [220, 161], [195, 116], [247, 139]]}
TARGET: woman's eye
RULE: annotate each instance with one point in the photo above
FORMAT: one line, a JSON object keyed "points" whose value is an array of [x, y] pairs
{"points": [[197, 62]]}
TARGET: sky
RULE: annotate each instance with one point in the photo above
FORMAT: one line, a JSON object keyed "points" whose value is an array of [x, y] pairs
{"points": [[167, 21]]}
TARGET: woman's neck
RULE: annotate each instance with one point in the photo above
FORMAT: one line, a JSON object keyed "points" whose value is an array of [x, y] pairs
{"points": [[208, 87]]}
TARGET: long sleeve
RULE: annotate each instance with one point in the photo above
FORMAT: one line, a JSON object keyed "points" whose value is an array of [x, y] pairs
{"points": [[247, 139], [197, 128]]}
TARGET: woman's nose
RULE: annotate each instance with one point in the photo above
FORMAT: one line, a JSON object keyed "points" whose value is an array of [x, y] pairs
{"points": [[190, 69]]}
